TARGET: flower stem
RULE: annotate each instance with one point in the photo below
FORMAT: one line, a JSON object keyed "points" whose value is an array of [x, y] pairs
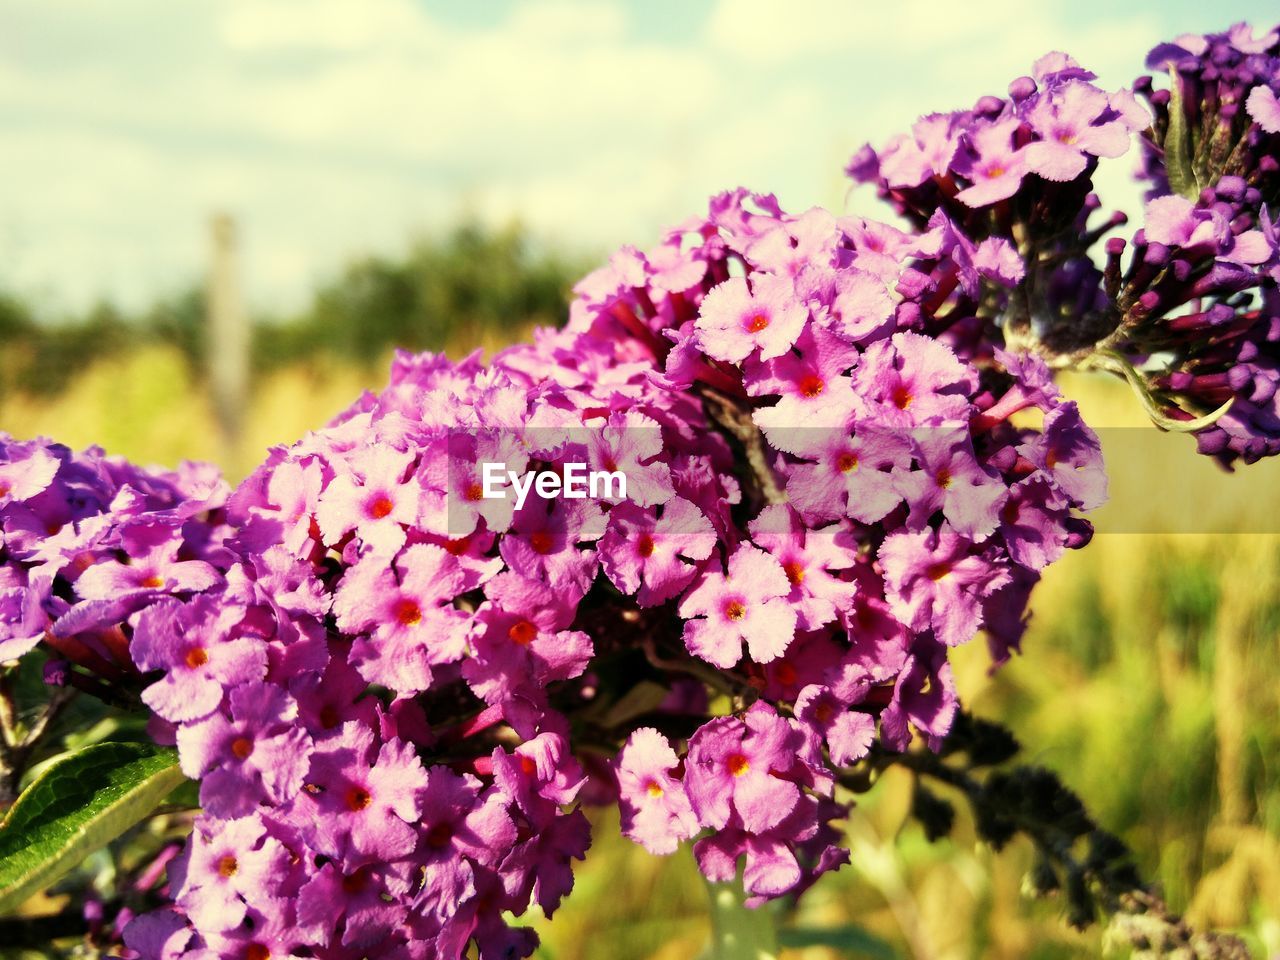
{"points": [[737, 931]]}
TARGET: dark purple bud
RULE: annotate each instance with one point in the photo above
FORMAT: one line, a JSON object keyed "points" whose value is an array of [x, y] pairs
{"points": [[1024, 87], [1212, 441], [1219, 314], [1230, 188], [1079, 532], [988, 106]]}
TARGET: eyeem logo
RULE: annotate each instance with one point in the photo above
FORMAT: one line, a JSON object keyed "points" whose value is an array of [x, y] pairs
{"points": [[576, 483]]}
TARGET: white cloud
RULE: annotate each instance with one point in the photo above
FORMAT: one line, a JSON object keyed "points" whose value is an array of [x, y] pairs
{"points": [[332, 127]]}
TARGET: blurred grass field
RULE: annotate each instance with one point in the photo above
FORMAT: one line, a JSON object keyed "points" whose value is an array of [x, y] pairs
{"points": [[1150, 681]]}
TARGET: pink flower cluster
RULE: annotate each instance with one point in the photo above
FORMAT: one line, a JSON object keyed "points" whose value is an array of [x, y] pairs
{"points": [[1051, 130], [1187, 309], [87, 542], [393, 689]]}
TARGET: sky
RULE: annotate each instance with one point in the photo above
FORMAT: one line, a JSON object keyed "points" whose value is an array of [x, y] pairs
{"points": [[336, 128]]}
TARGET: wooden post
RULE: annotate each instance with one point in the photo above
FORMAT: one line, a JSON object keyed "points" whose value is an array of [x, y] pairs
{"points": [[228, 336]]}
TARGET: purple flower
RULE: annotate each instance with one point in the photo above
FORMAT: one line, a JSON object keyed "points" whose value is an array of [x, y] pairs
{"points": [[258, 755], [544, 537], [655, 557], [1033, 523], [745, 605], [909, 161], [993, 164], [808, 558], [950, 479], [735, 770], [1264, 108], [520, 641], [200, 658], [374, 499], [846, 474], [153, 566], [935, 581], [738, 320], [409, 616], [26, 475], [1075, 123], [369, 796], [632, 444], [770, 868], [229, 863], [924, 696], [1177, 222], [848, 734], [810, 383], [913, 380], [1070, 457], [656, 812]]}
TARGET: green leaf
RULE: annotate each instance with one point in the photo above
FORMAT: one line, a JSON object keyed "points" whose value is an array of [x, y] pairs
{"points": [[78, 804], [849, 940], [1177, 144]]}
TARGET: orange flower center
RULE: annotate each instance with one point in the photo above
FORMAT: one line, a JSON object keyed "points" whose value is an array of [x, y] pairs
{"points": [[227, 866], [738, 765], [196, 657], [256, 951], [408, 613], [795, 572], [944, 478], [358, 798], [241, 747], [812, 386], [901, 397], [936, 571], [381, 507], [653, 788], [474, 492], [735, 610], [756, 322], [846, 463], [522, 632], [153, 582], [645, 545], [540, 540]]}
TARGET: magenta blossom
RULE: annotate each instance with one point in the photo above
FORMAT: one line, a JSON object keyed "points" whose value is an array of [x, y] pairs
{"points": [[745, 605], [655, 809]]}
